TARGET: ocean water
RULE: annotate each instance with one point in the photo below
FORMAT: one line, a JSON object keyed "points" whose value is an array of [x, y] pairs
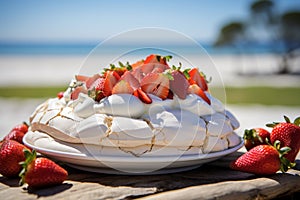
{"points": [[56, 64], [86, 48]]}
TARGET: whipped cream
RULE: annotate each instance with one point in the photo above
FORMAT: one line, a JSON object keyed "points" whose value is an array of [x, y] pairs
{"points": [[128, 105], [125, 105]]}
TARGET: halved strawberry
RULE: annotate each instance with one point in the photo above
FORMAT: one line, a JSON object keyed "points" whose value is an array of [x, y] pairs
{"points": [[75, 93], [137, 64], [144, 97], [154, 64], [157, 84], [122, 87], [195, 89], [138, 74], [89, 82], [133, 82], [153, 58], [170, 95], [196, 77], [111, 80], [81, 78], [179, 84]]}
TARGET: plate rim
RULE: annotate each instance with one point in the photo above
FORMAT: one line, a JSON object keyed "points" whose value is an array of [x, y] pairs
{"points": [[131, 159]]}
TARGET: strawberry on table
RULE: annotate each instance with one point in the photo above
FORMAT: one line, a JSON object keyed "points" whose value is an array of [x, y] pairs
{"points": [[41, 172], [288, 134], [11, 153], [17, 133], [21, 127], [255, 136], [263, 160], [157, 84]]}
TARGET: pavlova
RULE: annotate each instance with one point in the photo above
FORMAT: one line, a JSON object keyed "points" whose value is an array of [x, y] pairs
{"points": [[141, 109]]}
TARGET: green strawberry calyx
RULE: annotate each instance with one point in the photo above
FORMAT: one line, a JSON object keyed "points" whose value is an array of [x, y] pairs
{"points": [[287, 120], [285, 164], [251, 134], [29, 158]]}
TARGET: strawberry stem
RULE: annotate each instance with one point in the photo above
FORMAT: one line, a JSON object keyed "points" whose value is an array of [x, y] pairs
{"points": [[285, 164], [287, 119], [26, 124], [297, 121], [29, 158]]}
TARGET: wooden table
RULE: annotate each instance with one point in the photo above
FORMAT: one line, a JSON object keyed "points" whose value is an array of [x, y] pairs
{"points": [[211, 181]]}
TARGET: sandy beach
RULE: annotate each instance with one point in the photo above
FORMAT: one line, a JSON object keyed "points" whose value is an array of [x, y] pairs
{"points": [[59, 69]]}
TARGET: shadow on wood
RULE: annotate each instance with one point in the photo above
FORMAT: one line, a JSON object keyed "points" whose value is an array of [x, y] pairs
{"points": [[48, 191]]}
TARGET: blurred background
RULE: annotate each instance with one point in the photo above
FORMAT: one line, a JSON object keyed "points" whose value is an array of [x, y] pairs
{"points": [[254, 44]]}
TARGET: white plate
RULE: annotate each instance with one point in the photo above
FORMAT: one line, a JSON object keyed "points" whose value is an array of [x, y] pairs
{"points": [[79, 156]]}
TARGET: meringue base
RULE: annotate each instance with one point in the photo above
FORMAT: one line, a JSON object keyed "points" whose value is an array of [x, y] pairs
{"points": [[115, 161]]}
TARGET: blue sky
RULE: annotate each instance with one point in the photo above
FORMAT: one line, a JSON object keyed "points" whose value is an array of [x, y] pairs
{"points": [[91, 20]]}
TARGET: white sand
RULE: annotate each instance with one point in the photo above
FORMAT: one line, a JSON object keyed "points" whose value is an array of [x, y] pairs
{"points": [[58, 70]]}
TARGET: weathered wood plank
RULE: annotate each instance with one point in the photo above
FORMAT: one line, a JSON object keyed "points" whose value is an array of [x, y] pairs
{"points": [[214, 180]]}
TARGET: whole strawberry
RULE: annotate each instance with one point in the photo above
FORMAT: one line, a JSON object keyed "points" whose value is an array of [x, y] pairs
{"points": [[41, 172], [17, 133], [263, 160], [255, 136], [11, 153], [288, 134]]}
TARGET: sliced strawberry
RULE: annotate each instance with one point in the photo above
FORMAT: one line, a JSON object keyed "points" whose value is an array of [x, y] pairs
{"points": [[179, 85], [157, 84], [170, 95], [137, 64], [195, 76], [81, 78], [138, 74], [144, 97], [154, 68], [133, 82], [155, 64], [89, 82], [153, 58], [195, 89], [75, 93], [111, 80], [122, 87]]}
